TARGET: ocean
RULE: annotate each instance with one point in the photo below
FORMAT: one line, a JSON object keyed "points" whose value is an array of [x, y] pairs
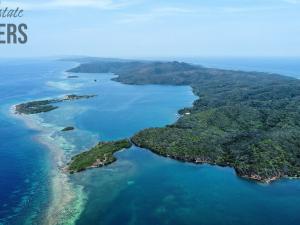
{"points": [[140, 187]]}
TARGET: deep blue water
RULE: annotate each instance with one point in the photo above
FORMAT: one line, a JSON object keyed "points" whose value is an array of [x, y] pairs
{"points": [[285, 66], [141, 187]]}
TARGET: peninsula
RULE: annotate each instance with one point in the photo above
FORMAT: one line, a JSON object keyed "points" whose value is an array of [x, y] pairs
{"points": [[246, 120], [100, 155]]}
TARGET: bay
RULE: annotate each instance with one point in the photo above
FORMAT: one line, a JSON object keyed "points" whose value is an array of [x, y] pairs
{"points": [[140, 187]]}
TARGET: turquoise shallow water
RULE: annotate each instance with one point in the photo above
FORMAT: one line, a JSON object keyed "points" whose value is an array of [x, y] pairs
{"points": [[141, 187]]}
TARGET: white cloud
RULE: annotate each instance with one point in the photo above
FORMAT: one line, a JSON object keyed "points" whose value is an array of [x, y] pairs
{"points": [[158, 13], [61, 4]]}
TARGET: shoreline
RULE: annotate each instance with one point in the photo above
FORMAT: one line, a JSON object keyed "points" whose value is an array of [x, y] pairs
{"points": [[65, 197], [213, 107], [255, 178]]}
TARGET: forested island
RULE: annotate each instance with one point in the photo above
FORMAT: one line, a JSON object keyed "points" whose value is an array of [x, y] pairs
{"points": [[246, 120], [35, 107], [70, 128]]}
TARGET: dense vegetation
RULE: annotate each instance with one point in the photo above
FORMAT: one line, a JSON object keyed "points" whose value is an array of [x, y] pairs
{"points": [[247, 120], [35, 107], [100, 155]]}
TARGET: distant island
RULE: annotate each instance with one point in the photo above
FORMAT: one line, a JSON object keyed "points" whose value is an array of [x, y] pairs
{"points": [[68, 129], [246, 120], [35, 107], [72, 76]]}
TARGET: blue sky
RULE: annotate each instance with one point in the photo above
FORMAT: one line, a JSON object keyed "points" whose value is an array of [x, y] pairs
{"points": [[150, 28]]}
